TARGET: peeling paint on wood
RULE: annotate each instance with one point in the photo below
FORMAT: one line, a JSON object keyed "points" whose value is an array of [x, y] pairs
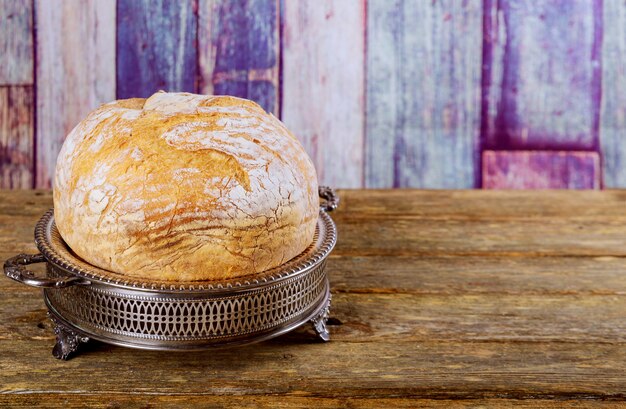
{"points": [[541, 77], [423, 93], [323, 90], [382, 93], [16, 137], [16, 42], [16, 94], [156, 47], [75, 71], [541, 170], [238, 49]]}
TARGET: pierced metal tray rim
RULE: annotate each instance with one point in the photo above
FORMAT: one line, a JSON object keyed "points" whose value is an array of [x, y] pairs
{"points": [[323, 243], [179, 345]]}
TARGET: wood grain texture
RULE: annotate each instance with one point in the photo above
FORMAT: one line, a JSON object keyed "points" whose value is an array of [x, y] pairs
{"points": [[541, 170], [494, 205], [238, 50], [16, 42], [115, 400], [613, 107], [120, 400], [17, 125], [423, 93], [500, 224], [156, 47], [503, 275], [75, 71], [541, 76], [531, 329], [323, 84]]}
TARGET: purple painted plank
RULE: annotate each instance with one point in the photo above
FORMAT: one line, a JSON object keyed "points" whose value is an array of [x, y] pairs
{"points": [[17, 122], [541, 170], [541, 74], [262, 92], [156, 47], [239, 49]]}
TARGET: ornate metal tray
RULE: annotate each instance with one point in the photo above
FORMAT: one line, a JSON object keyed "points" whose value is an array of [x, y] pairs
{"points": [[85, 302]]}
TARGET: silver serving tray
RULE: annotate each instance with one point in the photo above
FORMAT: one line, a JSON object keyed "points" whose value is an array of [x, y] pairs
{"points": [[86, 302]]}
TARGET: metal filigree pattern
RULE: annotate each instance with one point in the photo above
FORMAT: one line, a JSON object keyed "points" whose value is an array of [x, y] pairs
{"points": [[14, 267], [68, 340], [319, 321], [332, 200], [157, 317]]}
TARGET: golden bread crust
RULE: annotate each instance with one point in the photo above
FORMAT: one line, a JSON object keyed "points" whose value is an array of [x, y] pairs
{"points": [[184, 187]]}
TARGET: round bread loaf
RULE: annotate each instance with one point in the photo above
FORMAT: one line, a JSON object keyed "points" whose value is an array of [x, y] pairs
{"points": [[184, 187]]}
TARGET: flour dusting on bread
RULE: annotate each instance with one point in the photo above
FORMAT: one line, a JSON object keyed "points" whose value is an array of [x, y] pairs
{"points": [[185, 187]]}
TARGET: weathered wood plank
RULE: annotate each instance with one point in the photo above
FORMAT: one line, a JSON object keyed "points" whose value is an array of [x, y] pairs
{"points": [[541, 170], [423, 93], [446, 330], [549, 276], [238, 50], [486, 205], [16, 42], [75, 71], [17, 127], [121, 400], [323, 90], [523, 327], [156, 47], [541, 77], [408, 236], [294, 367], [513, 233], [613, 106]]}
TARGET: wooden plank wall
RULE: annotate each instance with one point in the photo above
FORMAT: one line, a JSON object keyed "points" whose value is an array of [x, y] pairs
{"points": [[239, 50], [75, 45], [17, 106], [540, 170], [323, 84], [423, 93], [541, 91], [156, 47], [613, 106], [541, 74], [382, 93]]}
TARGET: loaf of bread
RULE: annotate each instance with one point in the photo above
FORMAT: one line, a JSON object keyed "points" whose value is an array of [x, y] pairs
{"points": [[184, 187]]}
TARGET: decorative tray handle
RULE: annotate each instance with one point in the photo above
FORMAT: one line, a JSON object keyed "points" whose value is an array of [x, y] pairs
{"points": [[332, 200], [14, 269]]}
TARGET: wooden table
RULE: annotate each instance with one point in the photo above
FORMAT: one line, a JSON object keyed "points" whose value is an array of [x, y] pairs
{"points": [[441, 299]]}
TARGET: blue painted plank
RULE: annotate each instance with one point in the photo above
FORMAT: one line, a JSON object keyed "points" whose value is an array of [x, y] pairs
{"points": [[238, 47], [423, 93], [156, 47]]}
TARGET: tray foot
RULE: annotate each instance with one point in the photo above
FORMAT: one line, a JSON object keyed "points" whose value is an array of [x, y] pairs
{"points": [[68, 340], [319, 321]]}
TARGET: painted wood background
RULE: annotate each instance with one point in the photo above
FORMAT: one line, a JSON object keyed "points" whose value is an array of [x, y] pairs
{"points": [[382, 93]]}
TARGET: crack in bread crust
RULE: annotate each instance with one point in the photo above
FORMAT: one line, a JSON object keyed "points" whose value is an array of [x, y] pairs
{"points": [[184, 187]]}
